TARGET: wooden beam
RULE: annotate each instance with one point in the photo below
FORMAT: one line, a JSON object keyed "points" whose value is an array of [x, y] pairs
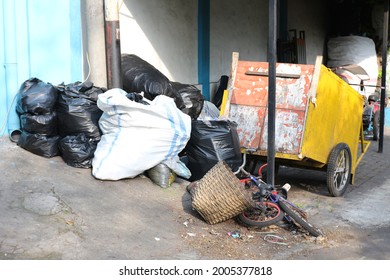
{"points": [[278, 75], [230, 87]]}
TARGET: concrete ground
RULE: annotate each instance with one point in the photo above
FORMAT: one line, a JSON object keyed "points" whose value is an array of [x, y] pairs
{"points": [[50, 210]]}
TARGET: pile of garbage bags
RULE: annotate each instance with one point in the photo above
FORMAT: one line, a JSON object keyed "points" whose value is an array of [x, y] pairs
{"points": [[36, 102], [59, 120], [152, 126], [140, 76], [212, 139], [137, 137]]}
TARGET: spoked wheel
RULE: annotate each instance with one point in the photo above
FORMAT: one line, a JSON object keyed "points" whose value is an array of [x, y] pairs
{"points": [[266, 214], [299, 219], [339, 169]]}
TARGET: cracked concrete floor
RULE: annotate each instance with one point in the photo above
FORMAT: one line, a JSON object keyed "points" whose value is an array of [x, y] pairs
{"points": [[53, 211]]}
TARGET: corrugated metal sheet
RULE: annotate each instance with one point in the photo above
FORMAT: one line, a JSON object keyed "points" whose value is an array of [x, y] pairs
{"points": [[38, 38]]}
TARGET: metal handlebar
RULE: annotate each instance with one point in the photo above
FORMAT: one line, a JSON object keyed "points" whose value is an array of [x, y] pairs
{"points": [[241, 167]]}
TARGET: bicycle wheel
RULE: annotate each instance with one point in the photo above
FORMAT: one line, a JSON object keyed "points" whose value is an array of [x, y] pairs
{"points": [[266, 214], [299, 219]]}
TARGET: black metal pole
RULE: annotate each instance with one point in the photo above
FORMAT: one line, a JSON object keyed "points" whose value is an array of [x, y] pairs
{"points": [[272, 18], [112, 40], [383, 82]]}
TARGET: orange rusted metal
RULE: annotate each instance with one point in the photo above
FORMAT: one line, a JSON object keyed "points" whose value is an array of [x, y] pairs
{"points": [[249, 100]]}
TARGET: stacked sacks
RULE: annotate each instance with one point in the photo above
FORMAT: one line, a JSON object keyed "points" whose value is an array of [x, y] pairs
{"points": [[38, 120], [78, 122], [137, 137], [140, 76]]}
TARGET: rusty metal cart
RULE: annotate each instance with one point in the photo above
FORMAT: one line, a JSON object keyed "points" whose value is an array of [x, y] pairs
{"points": [[318, 120]]}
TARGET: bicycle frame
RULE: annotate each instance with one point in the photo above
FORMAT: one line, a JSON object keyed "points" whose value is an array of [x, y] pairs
{"points": [[267, 194]]}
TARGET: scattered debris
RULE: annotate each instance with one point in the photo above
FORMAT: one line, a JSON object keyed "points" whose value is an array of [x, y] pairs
{"points": [[275, 239], [234, 234], [69, 222], [264, 232], [320, 239]]}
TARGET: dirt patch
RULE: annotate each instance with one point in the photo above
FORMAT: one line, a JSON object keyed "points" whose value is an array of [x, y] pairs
{"points": [[232, 240]]}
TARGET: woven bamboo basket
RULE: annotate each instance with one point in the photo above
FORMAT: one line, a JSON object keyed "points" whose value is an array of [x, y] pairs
{"points": [[219, 195]]}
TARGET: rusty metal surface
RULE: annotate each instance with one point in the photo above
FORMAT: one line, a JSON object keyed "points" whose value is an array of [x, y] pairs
{"points": [[250, 99]]}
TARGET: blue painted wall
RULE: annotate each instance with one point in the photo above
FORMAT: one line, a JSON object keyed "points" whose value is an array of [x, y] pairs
{"points": [[204, 47], [387, 117], [38, 38]]}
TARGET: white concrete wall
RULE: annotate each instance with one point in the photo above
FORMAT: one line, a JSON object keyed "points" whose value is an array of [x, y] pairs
{"points": [[164, 33], [311, 17], [237, 26], [243, 26]]}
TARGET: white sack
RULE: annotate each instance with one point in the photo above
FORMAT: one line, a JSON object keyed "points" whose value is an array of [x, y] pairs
{"points": [[137, 137], [347, 50]]}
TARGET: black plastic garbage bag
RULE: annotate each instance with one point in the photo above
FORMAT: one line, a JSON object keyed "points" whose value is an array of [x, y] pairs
{"points": [[43, 124], [42, 145], [211, 142], [77, 110], [36, 97], [136, 97], [140, 76], [192, 98], [77, 150]]}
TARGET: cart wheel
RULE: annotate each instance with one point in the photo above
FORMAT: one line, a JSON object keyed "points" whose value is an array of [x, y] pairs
{"points": [[339, 169]]}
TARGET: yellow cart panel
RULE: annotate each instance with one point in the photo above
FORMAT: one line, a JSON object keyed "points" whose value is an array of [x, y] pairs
{"points": [[335, 117], [315, 112]]}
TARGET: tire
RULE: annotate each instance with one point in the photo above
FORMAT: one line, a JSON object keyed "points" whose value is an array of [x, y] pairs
{"points": [[299, 219], [375, 124], [260, 218], [338, 172]]}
